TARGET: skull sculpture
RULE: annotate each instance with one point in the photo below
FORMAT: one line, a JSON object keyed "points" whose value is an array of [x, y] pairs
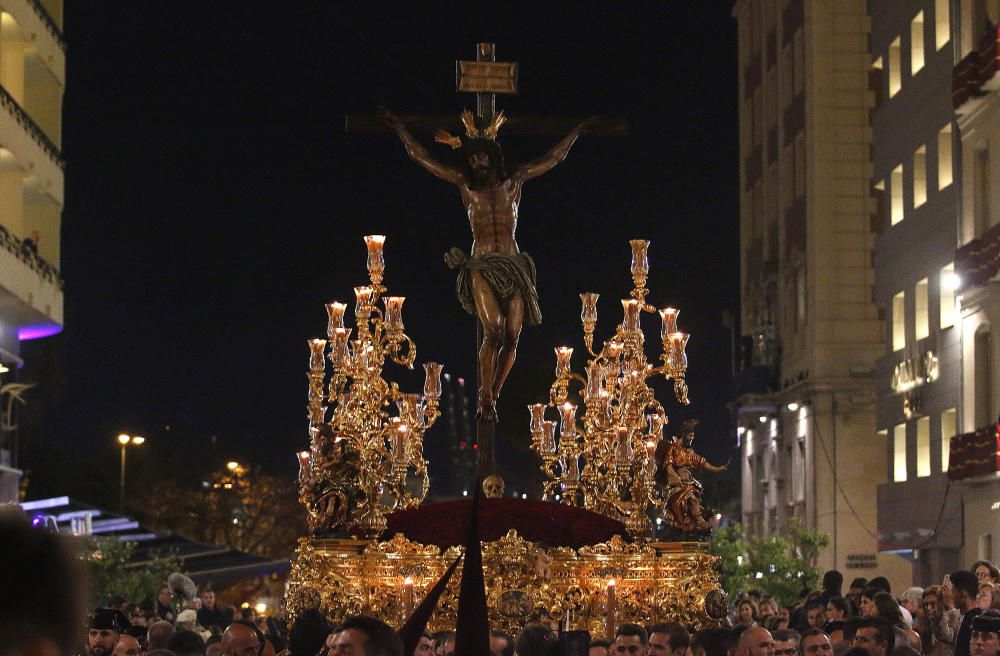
{"points": [[493, 487]]}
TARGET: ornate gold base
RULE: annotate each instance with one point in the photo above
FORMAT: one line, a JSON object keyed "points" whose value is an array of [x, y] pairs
{"points": [[525, 582]]}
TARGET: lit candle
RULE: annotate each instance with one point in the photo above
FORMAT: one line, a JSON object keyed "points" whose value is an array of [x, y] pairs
{"points": [[362, 296], [668, 319], [432, 380], [632, 308], [609, 625], [316, 348], [678, 343], [400, 440], [568, 426], [339, 352], [614, 348], [640, 259], [650, 458], [549, 436], [394, 312], [537, 411], [303, 457], [335, 316], [563, 356], [408, 596], [376, 262]]}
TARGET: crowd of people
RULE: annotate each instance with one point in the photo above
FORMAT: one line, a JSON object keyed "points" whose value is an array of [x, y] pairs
{"points": [[42, 615]]}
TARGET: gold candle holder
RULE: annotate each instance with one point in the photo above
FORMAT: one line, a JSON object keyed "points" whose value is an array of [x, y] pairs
{"points": [[432, 380], [624, 444], [595, 382], [340, 353], [563, 357], [632, 308], [588, 316], [394, 313], [640, 263], [548, 441], [567, 427], [677, 359], [537, 412], [668, 323], [316, 349]]}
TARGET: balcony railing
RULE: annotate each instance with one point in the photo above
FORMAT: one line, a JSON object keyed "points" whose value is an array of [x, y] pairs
{"points": [[976, 68], [50, 24], [28, 124], [979, 260], [975, 454], [21, 251]]}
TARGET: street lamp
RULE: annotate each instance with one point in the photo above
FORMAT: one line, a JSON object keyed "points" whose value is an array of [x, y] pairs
{"points": [[125, 440]]}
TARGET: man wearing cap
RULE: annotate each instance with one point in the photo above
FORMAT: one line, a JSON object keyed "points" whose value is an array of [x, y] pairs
{"points": [[985, 634], [106, 627]]}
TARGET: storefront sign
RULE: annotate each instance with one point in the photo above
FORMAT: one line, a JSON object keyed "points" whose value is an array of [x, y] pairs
{"points": [[914, 372], [862, 561]]}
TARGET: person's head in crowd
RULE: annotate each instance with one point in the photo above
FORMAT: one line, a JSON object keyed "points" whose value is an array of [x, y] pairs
{"points": [[987, 596], [876, 635], [833, 582], [106, 626], [755, 594], [186, 643], [964, 588], [786, 616], [858, 585], [887, 607], [746, 611], [985, 571], [815, 642], [868, 608], [186, 619], [163, 595], [240, 640], [158, 635], [911, 598], [985, 634], [767, 607], [425, 645], [42, 611], [362, 635], [668, 639], [501, 644], [630, 640], [774, 623], [712, 642], [786, 642], [815, 615], [837, 609], [755, 641], [128, 646], [208, 597], [308, 633], [444, 643], [599, 648], [881, 583], [534, 640], [930, 601]]}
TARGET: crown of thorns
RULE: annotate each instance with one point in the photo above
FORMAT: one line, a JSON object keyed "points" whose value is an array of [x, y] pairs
{"points": [[472, 131]]}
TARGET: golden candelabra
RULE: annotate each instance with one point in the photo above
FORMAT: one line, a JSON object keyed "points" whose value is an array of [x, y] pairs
{"points": [[605, 460], [362, 462]]}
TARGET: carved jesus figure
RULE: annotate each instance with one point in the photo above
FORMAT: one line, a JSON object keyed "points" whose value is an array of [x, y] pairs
{"points": [[496, 282]]}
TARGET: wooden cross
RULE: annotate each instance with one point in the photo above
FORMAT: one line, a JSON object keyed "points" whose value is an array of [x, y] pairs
{"points": [[486, 77]]}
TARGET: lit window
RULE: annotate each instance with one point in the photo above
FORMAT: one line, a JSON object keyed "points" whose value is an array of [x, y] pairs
{"points": [[920, 177], [917, 43], [942, 20], [896, 199], [924, 446], [899, 453], [949, 427], [895, 80], [945, 172], [949, 284], [922, 327], [899, 321]]}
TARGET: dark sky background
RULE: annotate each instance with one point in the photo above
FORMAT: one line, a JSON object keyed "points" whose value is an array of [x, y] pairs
{"points": [[214, 203]]}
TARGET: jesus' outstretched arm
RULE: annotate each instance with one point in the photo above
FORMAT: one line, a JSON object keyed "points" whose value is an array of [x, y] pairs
{"points": [[418, 153], [557, 154]]}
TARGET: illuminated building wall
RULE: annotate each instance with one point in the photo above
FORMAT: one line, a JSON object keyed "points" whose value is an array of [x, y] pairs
{"points": [[916, 177], [32, 79], [811, 331]]}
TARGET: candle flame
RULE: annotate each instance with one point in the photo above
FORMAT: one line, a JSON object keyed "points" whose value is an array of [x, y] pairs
{"points": [[611, 583], [407, 581]]}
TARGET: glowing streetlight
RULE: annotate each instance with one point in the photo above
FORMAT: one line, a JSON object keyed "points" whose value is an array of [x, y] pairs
{"points": [[125, 440]]}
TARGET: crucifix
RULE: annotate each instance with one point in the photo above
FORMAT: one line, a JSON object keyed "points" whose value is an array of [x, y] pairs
{"points": [[496, 280]]}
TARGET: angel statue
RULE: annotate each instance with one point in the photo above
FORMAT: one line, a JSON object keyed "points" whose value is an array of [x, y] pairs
{"points": [[675, 460]]}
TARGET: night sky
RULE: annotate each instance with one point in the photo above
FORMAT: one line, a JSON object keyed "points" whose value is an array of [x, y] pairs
{"points": [[214, 203]]}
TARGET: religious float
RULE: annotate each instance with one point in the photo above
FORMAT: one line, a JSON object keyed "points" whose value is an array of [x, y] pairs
{"points": [[582, 557]]}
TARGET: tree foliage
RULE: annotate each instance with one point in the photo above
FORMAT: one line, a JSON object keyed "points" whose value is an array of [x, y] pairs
{"points": [[242, 508], [778, 565], [107, 561]]}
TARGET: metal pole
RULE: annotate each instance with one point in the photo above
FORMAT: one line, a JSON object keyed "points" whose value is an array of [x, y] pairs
{"points": [[121, 487]]}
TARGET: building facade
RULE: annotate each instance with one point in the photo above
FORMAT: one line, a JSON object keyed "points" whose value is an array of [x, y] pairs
{"points": [[32, 79], [811, 330]]}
